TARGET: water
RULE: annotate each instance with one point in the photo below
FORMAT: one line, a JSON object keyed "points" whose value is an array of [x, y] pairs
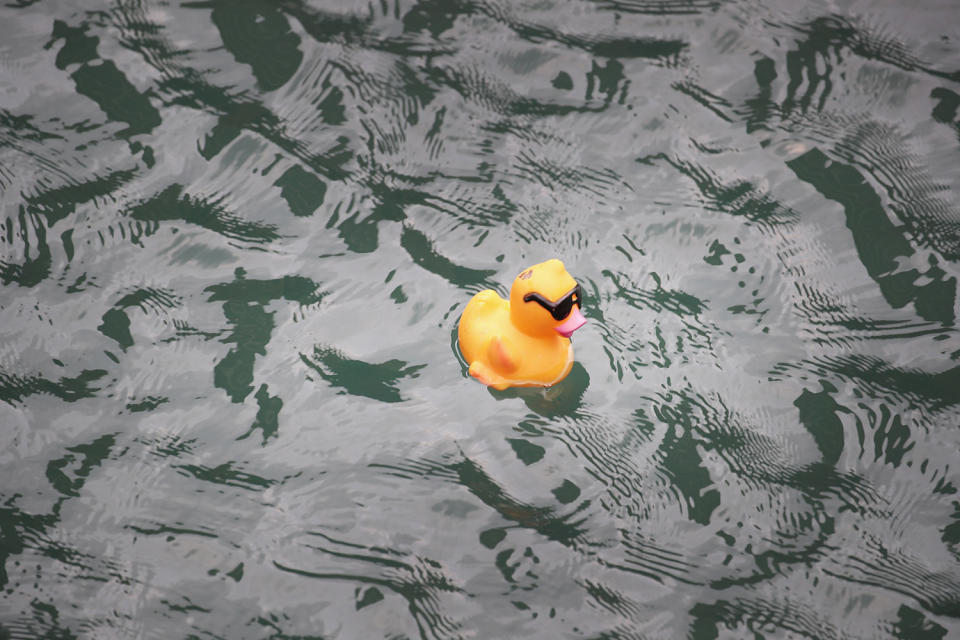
{"points": [[235, 239]]}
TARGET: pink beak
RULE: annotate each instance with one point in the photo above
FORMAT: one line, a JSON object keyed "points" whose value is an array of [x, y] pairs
{"points": [[573, 322]]}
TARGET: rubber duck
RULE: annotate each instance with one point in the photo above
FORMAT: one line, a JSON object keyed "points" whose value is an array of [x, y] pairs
{"points": [[524, 341]]}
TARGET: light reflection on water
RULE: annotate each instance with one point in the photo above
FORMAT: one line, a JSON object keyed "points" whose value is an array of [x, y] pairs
{"points": [[235, 239]]}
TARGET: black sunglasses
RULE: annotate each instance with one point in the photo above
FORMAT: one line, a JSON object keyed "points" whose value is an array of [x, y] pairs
{"points": [[562, 307]]}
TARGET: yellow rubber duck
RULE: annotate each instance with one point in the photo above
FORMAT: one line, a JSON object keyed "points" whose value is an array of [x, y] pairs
{"points": [[523, 342]]}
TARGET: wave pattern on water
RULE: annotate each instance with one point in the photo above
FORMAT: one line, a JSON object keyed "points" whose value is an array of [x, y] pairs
{"points": [[235, 239]]}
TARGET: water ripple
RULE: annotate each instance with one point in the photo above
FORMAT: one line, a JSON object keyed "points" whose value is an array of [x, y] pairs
{"points": [[235, 239]]}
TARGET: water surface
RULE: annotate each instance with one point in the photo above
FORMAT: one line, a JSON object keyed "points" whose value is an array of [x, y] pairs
{"points": [[235, 239]]}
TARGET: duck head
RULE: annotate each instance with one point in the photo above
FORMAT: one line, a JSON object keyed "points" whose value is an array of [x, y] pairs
{"points": [[545, 299]]}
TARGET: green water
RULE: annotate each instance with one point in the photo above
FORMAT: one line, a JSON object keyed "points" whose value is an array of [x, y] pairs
{"points": [[236, 237]]}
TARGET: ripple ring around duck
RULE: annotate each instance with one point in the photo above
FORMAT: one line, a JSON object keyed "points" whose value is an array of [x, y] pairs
{"points": [[523, 341]]}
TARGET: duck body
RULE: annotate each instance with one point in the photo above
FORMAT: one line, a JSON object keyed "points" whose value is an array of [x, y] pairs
{"points": [[519, 342]]}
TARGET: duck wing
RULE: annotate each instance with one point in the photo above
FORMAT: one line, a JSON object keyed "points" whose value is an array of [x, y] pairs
{"points": [[502, 355]]}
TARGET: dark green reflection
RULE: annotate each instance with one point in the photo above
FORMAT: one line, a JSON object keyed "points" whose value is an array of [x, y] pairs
{"points": [[116, 325], [101, 81], [252, 326], [20, 529], [367, 597], [37, 260], [804, 64], [762, 107], [948, 103], [950, 534], [422, 253], [237, 117], [546, 521], [258, 34], [243, 112], [435, 16], [606, 80], [302, 190], [361, 235], [356, 377], [913, 625], [227, 474], [878, 241], [566, 492], [682, 463], [15, 387], [106, 85], [69, 473], [818, 413], [528, 452], [56, 203], [243, 305], [267, 414], [116, 322], [149, 403], [562, 399], [173, 204], [741, 198]]}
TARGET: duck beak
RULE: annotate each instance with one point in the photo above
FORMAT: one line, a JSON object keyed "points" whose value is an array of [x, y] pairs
{"points": [[573, 322]]}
